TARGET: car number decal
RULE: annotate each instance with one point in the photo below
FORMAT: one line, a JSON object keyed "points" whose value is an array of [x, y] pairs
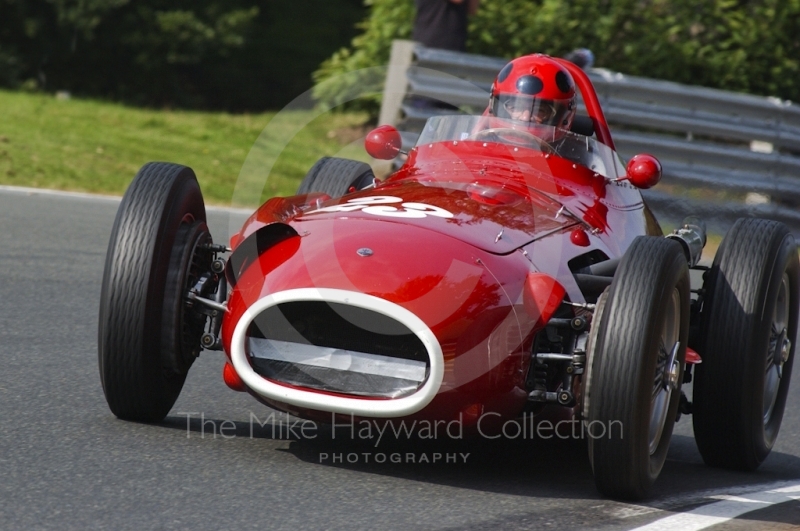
{"points": [[384, 205]]}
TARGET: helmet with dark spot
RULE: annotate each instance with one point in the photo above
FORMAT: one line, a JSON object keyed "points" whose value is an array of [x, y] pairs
{"points": [[535, 89]]}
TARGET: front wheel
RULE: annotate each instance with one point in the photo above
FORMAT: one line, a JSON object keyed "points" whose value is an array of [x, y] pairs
{"points": [[637, 367], [749, 332], [336, 177], [147, 338]]}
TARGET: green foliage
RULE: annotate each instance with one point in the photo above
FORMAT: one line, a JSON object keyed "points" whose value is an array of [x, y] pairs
{"points": [[338, 76], [83, 16], [176, 43], [232, 54], [9, 68], [257, 54], [512, 28], [185, 38], [729, 44]]}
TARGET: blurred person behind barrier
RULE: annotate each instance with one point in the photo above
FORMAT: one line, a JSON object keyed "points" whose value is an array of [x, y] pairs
{"points": [[583, 57], [443, 23]]}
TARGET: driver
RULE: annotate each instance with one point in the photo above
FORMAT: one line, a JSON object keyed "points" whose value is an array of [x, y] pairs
{"points": [[534, 90], [535, 95]]}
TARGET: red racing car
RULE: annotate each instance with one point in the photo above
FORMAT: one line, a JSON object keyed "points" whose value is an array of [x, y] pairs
{"points": [[499, 273]]}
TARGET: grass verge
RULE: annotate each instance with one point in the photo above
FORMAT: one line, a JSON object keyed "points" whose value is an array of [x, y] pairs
{"points": [[97, 147]]}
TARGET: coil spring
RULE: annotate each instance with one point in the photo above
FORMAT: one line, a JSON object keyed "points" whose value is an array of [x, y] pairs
{"points": [[540, 375]]}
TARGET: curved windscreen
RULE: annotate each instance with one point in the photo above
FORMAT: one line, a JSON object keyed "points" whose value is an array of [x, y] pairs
{"points": [[580, 149]]}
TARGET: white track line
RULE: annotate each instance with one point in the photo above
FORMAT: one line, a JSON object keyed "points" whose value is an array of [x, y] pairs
{"points": [[57, 193], [728, 508]]}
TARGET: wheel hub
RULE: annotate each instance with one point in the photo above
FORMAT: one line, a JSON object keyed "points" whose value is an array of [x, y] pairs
{"points": [[672, 369], [780, 347], [783, 352]]}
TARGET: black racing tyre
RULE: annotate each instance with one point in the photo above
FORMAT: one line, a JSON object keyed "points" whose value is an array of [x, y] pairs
{"points": [[336, 177], [637, 367], [144, 351], [591, 347], [749, 329]]}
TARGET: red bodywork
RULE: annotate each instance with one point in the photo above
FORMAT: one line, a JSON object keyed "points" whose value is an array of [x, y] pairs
{"points": [[473, 238]]}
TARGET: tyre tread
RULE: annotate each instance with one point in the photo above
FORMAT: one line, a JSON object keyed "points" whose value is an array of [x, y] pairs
{"points": [[620, 376], [724, 409], [334, 176], [132, 377]]}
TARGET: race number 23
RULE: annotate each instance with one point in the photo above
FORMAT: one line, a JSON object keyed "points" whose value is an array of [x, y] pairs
{"points": [[387, 205]]}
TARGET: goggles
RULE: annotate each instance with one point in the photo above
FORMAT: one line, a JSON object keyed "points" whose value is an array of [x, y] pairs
{"points": [[542, 111]]}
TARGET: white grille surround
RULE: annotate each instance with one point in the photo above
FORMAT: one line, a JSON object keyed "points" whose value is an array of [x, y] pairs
{"points": [[380, 408]]}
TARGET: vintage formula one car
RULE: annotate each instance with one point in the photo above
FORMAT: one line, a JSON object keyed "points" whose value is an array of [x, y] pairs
{"points": [[496, 273]]}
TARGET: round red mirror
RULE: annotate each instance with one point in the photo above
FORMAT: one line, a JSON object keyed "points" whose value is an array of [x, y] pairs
{"points": [[644, 171], [383, 142]]}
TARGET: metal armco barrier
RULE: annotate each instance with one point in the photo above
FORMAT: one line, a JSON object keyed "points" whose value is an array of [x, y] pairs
{"points": [[705, 138]]}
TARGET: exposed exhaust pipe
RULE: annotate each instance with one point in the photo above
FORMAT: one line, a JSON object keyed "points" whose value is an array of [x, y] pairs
{"points": [[692, 237]]}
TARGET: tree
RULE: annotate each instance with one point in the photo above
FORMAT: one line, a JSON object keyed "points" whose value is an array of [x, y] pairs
{"points": [[230, 54]]}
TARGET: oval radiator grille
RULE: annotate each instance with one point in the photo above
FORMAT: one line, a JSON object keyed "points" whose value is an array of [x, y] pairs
{"points": [[336, 347]]}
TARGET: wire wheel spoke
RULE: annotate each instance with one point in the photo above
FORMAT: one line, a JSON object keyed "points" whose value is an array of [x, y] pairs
{"points": [[665, 378], [777, 350]]}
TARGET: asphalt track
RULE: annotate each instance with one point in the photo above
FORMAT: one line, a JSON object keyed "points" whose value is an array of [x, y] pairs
{"points": [[218, 462]]}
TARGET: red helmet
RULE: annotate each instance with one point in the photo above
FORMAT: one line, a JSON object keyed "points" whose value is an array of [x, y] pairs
{"points": [[536, 89]]}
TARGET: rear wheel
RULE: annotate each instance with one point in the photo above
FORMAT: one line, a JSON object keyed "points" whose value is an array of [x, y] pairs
{"points": [[147, 338], [336, 177], [637, 367], [749, 329]]}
